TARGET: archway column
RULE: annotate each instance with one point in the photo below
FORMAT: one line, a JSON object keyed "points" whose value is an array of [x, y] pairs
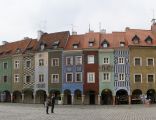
{"points": [[22, 97], [83, 97], [99, 99], [72, 98], [129, 99], [114, 100], [34, 96], [62, 97], [11, 97]]}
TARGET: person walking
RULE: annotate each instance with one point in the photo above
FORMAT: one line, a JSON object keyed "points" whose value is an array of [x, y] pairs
{"points": [[52, 103], [47, 102]]}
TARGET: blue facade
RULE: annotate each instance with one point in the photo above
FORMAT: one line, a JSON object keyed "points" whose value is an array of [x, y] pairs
{"points": [[121, 66], [72, 69]]}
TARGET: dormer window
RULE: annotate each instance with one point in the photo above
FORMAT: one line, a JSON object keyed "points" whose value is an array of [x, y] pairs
{"points": [[105, 44], [42, 46], [91, 43], [135, 39], [18, 50], [56, 44], [148, 40], [122, 44], [76, 45]]}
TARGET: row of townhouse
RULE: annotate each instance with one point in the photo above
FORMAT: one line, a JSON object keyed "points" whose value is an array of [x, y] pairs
{"points": [[91, 68]]}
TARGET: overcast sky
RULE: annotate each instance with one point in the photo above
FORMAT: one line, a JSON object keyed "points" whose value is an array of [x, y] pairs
{"points": [[23, 18]]}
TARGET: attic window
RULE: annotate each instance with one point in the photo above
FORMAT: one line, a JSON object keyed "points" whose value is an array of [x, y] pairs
{"points": [[148, 40], [76, 45], [135, 39], [56, 44], [42, 46], [18, 50], [122, 44], [91, 43], [7, 52], [105, 44]]}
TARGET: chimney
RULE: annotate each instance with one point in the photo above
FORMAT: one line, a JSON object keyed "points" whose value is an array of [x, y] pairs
{"points": [[74, 33], [4, 42], [127, 28], [153, 26], [103, 31], [40, 33]]}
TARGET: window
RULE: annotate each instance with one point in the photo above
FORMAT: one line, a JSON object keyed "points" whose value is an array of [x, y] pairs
{"points": [[5, 65], [121, 76], [122, 44], [78, 60], [106, 76], [28, 63], [55, 78], [5, 78], [90, 59], [121, 60], [135, 39], [69, 60], [137, 61], [27, 79], [16, 64], [150, 62], [78, 77], [106, 60], [41, 78], [41, 62], [137, 78], [42, 46], [91, 77], [90, 44], [16, 78], [150, 78], [55, 62], [69, 77], [75, 46], [105, 45]]}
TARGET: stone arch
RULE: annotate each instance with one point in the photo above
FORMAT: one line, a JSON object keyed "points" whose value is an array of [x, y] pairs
{"points": [[17, 96], [77, 96], [28, 96], [121, 97], [40, 96], [106, 97], [151, 94], [136, 96], [67, 97], [5, 96]]}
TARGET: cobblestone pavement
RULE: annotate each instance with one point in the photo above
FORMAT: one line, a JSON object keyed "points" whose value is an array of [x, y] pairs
{"points": [[13, 111]]}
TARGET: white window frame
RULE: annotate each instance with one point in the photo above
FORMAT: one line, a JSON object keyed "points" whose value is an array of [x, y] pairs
{"points": [[105, 45], [140, 61], [16, 78], [3, 65], [90, 44], [26, 78], [76, 58], [66, 77], [137, 74], [55, 62], [26, 63], [106, 80], [153, 78], [88, 80], [71, 60], [147, 61], [91, 61], [42, 78], [123, 60], [121, 78], [106, 60], [76, 76], [52, 78], [16, 64], [42, 63]]}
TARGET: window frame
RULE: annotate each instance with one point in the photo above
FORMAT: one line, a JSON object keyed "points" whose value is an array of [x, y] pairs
{"points": [[76, 76], [88, 80], [71, 78], [140, 77], [91, 61], [52, 62], [52, 78], [140, 61]]}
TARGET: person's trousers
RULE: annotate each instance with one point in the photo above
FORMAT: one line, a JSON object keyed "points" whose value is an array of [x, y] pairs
{"points": [[47, 108], [52, 108]]}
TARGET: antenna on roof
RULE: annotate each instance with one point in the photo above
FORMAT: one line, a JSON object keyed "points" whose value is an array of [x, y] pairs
{"points": [[153, 19], [100, 26], [89, 27], [73, 31]]}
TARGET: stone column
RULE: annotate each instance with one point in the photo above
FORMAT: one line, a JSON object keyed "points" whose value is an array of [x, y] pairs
{"points": [[99, 99], [11, 97], [72, 99], [83, 96], [22, 97], [129, 99], [113, 100], [34, 95], [62, 97]]}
